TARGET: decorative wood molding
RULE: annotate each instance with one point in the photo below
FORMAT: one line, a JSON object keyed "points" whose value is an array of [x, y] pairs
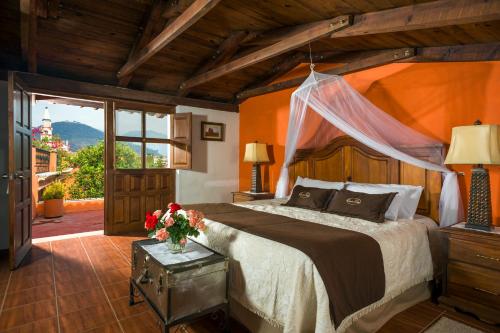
{"points": [[189, 17], [75, 89], [28, 10], [373, 60], [422, 16], [297, 38]]}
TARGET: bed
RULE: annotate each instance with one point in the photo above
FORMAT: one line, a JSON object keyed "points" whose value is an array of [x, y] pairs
{"points": [[277, 288]]}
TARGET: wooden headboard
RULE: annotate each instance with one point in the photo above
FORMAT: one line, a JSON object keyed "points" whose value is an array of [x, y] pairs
{"points": [[345, 159]]}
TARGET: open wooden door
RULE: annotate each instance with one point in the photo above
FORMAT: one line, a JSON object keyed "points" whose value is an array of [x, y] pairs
{"points": [[19, 171], [139, 158]]}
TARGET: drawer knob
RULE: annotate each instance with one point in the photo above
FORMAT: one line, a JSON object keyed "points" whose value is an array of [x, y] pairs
{"points": [[488, 258]]}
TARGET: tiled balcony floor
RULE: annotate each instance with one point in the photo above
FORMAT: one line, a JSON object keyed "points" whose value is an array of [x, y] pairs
{"points": [[70, 223]]}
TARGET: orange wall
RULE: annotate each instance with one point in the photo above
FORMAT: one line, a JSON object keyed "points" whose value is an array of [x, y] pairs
{"points": [[431, 98]]}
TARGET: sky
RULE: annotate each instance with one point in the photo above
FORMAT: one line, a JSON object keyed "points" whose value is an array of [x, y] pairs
{"points": [[61, 112]]}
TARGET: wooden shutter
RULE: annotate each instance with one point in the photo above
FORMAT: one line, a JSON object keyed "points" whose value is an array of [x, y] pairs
{"points": [[180, 149]]}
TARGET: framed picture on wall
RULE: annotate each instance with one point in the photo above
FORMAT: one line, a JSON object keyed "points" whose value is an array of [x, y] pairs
{"points": [[212, 131]]}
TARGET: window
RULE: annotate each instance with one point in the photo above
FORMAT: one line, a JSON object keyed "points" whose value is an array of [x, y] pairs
{"points": [[145, 140]]}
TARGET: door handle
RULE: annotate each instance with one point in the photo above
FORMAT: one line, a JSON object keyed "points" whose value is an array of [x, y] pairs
{"points": [[5, 176], [19, 176]]}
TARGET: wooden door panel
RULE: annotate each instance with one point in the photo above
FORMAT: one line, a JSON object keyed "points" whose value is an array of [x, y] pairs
{"points": [[19, 115], [133, 192]]}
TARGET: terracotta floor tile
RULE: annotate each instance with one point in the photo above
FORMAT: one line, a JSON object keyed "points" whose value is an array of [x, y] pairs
{"points": [[124, 310], [70, 223], [74, 286], [108, 328], [114, 275], [74, 274], [143, 323], [117, 290], [28, 296], [87, 319], [80, 301], [41, 326], [27, 313], [21, 282]]}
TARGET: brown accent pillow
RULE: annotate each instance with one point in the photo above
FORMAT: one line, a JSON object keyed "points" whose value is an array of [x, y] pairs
{"points": [[309, 197], [370, 207]]}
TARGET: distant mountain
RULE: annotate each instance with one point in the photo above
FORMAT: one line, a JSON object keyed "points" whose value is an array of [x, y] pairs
{"points": [[78, 135]]}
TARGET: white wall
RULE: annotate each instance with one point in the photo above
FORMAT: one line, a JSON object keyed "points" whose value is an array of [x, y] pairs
{"points": [[4, 145], [215, 172]]}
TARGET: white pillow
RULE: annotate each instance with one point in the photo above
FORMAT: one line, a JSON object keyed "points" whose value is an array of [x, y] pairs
{"points": [[411, 197], [309, 182], [392, 212]]}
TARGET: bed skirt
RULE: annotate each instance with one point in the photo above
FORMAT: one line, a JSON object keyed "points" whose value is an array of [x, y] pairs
{"points": [[370, 322]]}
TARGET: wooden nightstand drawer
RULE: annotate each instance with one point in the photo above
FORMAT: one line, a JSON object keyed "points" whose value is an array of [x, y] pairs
{"points": [[475, 253], [474, 295], [476, 277]]}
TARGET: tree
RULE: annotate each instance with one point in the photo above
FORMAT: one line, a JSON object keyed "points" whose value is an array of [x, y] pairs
{"points": [[89, 178]]}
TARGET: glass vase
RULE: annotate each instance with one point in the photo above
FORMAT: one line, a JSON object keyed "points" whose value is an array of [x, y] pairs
{"points": [[175, 247]]}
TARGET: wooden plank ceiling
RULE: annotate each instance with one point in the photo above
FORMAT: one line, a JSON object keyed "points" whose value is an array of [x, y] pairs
{"points": [[229, 50]]}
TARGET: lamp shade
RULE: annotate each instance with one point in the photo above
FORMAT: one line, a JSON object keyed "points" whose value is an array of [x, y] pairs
{"points": [[256, 153], [476, 144]]}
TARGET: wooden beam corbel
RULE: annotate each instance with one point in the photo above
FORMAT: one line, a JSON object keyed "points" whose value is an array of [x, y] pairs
{"points": [[189, 17], [297, 38]]}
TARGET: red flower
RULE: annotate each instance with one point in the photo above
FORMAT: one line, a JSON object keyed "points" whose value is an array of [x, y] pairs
{"points": [[174, 207], [151, 221]]}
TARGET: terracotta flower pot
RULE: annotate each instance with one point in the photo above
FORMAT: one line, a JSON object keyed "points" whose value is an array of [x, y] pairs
{"points": [[53, 208]]}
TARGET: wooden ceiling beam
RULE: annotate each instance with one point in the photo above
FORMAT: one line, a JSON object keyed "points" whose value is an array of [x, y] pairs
{"points": [[176, 8], [373, 59], [422, 16], [189, 17], [28, 9], [151, 22], [460, 53], [227, 49], [279, 70], [47, 85], [298, 37]]}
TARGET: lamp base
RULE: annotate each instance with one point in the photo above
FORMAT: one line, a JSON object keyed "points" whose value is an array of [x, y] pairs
{"points": [[256, 179], [479, 212]]}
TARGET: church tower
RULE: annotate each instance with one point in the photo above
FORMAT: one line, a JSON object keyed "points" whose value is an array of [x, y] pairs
{"points": [[46, 130]]}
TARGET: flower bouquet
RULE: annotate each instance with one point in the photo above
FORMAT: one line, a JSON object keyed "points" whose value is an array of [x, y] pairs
{"points": [[174, 226]]}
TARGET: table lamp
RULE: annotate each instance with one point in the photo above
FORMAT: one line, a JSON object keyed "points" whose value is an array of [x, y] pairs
{"points": [[477, 145], [257, 154]]}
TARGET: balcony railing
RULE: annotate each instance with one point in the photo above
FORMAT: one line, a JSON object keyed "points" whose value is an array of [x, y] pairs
{"points": [[42, 162]]}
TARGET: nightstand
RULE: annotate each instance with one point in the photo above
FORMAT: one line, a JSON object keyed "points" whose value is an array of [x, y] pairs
{"points": [[472, 281], [249, 196]]}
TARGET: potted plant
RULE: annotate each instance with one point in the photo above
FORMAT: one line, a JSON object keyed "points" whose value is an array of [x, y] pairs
{"points": [[53, 198]]}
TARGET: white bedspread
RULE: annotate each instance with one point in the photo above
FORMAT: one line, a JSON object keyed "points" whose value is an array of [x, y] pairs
{"points": [[281, 284]]}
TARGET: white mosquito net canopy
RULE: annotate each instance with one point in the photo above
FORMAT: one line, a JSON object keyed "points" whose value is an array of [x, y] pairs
{"points": [[326, 106]]}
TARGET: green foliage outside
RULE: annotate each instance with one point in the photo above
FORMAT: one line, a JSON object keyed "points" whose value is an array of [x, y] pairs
{"points": [[152, 161], [53, 191], [89, 178], [126, 157]]}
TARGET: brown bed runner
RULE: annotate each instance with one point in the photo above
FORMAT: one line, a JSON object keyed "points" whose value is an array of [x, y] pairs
{"points": [[350, 263]]}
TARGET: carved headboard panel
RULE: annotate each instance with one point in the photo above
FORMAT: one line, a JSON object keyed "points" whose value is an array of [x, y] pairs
{"points": [[346, 159]]}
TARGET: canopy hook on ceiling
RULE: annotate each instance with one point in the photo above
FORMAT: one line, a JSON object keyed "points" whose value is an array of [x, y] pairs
{"points": [[311, 58]]}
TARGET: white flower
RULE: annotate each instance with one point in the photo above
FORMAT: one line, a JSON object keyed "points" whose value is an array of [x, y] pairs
{"points": [[182, 212]]}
